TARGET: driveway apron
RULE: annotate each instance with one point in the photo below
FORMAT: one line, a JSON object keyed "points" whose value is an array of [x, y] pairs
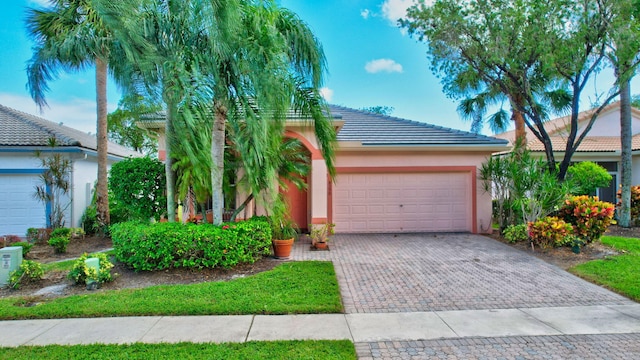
{"points": [[382, 273]]}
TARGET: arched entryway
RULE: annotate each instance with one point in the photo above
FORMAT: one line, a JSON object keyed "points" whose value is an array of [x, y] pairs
{"points": [[298, 198]]}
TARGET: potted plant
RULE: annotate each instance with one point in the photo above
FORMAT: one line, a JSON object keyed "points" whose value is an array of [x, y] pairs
{"points": [[283, 231], [283, 235], [320, 235]]}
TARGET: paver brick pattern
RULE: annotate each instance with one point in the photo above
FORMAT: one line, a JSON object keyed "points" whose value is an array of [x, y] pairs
{"points": [[381, 273], [616, 346]]}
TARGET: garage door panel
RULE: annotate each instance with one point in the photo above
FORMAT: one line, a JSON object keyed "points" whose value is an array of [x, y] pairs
{"points": [[19, 210], [410, 202]]}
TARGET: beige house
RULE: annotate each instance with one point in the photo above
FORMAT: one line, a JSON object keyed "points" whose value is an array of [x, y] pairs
{"points": [[601, 145], [393, 175]]}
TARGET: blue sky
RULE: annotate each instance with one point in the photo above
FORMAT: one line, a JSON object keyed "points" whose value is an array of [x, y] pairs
{"points": [[371, 62]]}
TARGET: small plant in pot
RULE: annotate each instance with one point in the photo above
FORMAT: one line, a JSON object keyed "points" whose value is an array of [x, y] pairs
{"points": [[283, 231], [320, 235]]}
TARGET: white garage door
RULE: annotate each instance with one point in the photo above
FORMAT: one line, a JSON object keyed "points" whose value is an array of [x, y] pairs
{"points": [[18, 208], [403, 202]]}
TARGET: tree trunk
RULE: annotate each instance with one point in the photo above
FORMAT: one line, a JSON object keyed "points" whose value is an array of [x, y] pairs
{"points": [[217, 160], [521, 133], [168, 165], [102, 193], [624, 217]]}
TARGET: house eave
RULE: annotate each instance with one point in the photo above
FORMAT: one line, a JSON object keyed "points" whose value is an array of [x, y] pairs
{"points": [[359, 146]]}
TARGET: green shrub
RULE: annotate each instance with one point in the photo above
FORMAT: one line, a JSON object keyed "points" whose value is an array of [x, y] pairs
{"points": [[28, 271], [587, 176], [32, 235], [516, 233], [61, 232], [59, 243], [550, 231], [172, 245], [81, 273], [589, 216], [137, 188], [26, 247]]}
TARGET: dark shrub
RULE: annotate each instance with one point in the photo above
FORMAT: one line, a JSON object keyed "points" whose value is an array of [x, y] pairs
{"points": [[167, 245]]}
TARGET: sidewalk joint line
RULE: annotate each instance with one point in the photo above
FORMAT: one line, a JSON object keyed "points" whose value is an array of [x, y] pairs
{"points": [[246, 338], [449, 326], [151, 327]]}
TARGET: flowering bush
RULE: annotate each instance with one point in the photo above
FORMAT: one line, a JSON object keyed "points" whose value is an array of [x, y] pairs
{"points": [[635, 204], [80, 272], [29, 271], [550, 231], [589, 216]]}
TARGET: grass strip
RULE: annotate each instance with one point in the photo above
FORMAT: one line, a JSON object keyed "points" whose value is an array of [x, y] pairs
{"points": [[306, 287], [618, 273], [342, 349]]}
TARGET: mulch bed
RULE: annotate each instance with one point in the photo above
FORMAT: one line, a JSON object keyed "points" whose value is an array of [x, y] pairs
{"points": [[125, 278], [565, 258]]}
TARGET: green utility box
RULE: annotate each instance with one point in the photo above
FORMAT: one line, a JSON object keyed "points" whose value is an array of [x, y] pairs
{"points": [[10, 260]]}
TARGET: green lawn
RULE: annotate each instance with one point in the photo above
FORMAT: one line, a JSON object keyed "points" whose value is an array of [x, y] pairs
{"points": [[619, 273], [307, 287], [252, 350]]}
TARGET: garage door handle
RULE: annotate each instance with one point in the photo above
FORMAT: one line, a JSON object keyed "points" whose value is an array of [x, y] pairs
{"points": [[401, 205]]}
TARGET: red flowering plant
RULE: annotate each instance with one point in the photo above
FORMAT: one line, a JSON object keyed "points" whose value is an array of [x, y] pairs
{"points": [[589, 216], [635, 204], [550, 232]]}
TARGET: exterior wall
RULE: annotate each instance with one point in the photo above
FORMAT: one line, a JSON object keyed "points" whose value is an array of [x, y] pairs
{"points": [[85, 174], [608, 124], [635, 164]]}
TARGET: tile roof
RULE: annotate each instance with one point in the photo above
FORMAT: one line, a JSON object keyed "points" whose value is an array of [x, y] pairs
{"points": [[19, 129], [375, 129], [589, 144]]}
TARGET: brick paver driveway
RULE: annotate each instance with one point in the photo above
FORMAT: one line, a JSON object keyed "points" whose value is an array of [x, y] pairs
{"points": [[430, 272]]}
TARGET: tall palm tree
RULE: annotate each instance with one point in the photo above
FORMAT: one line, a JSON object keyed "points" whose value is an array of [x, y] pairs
{"points": [[70, 35], [165, 43], [278, 65], [240, 61]]}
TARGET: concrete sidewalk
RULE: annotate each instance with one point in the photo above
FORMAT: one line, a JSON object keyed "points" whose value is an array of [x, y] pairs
{"points": [[359, 328]]}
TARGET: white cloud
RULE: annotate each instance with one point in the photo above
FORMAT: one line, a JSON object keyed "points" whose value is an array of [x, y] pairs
{"points": [[393, 10], [383, 65], [365, 13], [77, 113], [40, 3], [326, 93]]}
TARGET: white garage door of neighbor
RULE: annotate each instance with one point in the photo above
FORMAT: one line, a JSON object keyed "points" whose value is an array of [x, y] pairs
{"points": [[18, 208], [402, 202]]}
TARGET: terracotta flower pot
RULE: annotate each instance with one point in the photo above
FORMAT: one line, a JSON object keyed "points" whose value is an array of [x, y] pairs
{"points": [[321, 245], [282, 248]]}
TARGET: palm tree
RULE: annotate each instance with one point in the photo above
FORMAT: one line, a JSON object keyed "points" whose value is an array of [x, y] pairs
{"points": [[278, 66], [70, 35], [238, 61], [164, 42]]}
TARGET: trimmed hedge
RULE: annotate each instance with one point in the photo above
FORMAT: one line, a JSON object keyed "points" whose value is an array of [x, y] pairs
{"points": [[173, 245]]}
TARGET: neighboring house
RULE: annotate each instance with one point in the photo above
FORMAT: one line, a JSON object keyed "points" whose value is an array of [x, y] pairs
{"points": [[601, 145], [21, 135], [393, 175]]}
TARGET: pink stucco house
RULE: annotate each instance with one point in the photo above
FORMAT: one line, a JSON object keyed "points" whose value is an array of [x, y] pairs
{"points": [[393, 175]]}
